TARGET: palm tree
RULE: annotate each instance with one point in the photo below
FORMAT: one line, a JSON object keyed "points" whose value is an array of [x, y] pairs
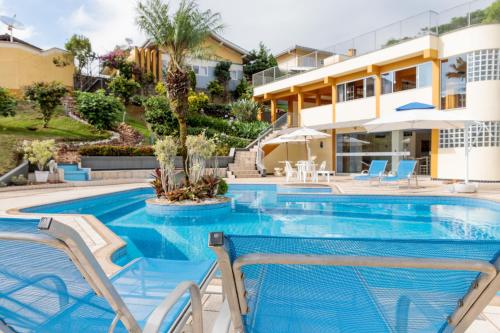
{"points": [[180, 35]]}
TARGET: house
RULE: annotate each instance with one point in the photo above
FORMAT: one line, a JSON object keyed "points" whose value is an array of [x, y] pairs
{"points": [[22, 63], [451, 66], [154, 61]]}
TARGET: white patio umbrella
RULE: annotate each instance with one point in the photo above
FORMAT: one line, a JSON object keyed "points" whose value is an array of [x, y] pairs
{"points": [[425, 119], [305, 134], [280, 140]]}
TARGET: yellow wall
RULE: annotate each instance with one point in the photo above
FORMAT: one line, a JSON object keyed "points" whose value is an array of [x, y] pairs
{"points": [[21, 66], [223, 52]]}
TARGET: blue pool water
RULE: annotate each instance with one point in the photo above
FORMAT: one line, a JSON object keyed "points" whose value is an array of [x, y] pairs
{"points": [[260, 210]]}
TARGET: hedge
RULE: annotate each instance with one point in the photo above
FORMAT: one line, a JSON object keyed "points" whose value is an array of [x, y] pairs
{"points": [[107, 150]]}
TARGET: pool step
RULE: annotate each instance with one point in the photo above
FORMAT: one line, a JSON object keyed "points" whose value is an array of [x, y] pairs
{"points": [[72, 172]]}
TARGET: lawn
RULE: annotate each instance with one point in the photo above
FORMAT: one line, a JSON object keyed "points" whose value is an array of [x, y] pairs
{"points": [[27, 125], [135, 118]]}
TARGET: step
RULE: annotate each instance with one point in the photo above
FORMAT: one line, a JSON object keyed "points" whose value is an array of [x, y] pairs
{"points": [[79, 175], [68, 167]]}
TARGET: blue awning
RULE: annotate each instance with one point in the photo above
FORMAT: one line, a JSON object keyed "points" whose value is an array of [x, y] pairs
{"points": [[415, 106]]}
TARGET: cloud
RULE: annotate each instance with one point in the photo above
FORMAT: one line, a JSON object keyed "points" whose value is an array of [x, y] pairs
{"points": [[105, 22]]}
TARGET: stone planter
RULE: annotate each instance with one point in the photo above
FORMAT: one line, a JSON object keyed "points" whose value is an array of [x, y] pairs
{"points": [[208, 208], [41, 176]]}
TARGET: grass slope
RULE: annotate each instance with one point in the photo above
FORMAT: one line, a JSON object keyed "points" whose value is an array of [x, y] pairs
{"points": [[27, 125]]}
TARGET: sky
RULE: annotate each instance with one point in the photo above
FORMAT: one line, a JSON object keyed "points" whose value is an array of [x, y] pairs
{"points": [[278, 23]]}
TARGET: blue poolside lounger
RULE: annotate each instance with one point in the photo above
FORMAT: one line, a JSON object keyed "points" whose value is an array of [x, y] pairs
{"points": [[303, 285], [406, 169], [376, 170], [50, 282]]}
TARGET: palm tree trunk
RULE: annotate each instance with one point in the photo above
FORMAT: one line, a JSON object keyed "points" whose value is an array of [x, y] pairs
{"points": [[178, 89]]}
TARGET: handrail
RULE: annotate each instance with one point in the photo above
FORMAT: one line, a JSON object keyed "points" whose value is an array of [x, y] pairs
{"points": [[278, 124], [423, 24]]}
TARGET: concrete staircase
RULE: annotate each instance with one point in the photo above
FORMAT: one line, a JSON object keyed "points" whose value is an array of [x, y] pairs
{"points": [[245, 161]]}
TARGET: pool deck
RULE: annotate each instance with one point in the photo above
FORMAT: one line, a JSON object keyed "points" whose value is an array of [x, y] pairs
{"points": [[103, 242]]}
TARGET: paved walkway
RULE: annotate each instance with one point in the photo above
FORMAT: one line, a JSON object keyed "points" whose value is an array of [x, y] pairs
{"points": [[103, 242]]}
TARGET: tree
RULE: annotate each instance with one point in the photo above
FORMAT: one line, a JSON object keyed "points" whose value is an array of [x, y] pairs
{"points": [[99, 109], [243, 90], [258, 60], [123, 88], [80, 49], [8, 103], [181, 35], [159, 116], [223, 75], [47, 96]]}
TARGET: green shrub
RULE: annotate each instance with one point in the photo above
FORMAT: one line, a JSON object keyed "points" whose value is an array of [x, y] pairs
{"points": [[243, 90], [222, 188], [123, 88], [197, 101], [47, 96], [217, 110], [108, 150], [215, 89], [100, 110], [248, 130], [137, 100], [8, 103], [159, 116], [245, 109]]}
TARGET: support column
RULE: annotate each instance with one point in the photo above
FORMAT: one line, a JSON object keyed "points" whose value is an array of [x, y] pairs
{"points": [[290, 112], [154, 57], [300, 106], [434, 153], [318, 99], [273, 110], [436, 101], [334, 150], [148, 60], [378, 92]]}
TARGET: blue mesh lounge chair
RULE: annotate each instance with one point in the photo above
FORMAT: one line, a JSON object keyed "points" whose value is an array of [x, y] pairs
{"points": [[297, 284], [51, 283], [406, 169], [375, 171]]}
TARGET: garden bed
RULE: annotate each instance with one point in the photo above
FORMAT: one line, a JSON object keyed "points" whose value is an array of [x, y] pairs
{"points": [[188, 208]]}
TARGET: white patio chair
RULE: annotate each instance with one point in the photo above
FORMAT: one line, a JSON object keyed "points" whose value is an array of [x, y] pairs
{"points": [[290, 171], [323, 172]]}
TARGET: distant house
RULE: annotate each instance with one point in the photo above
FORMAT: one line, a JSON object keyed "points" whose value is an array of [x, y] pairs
{"points": [[298, 58], [22, 63], [154, 61]]}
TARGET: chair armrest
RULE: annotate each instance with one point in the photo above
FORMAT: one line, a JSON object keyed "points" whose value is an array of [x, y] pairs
{"points": [[158, 315]]}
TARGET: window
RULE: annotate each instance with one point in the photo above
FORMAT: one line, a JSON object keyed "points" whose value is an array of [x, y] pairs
{"points": [[354, 90], [483, 65], [340, 93], [424, 75], [453, 82], [234, 75], [200, 70], [405, 79], [387, 82], [370, 87], [487, 135]]}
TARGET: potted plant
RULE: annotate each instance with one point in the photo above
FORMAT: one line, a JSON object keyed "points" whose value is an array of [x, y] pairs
{"points": [[39, 153]]}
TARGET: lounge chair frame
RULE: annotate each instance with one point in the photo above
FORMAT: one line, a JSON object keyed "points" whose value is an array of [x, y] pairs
{"points": [[480, 293], [61, 236]]}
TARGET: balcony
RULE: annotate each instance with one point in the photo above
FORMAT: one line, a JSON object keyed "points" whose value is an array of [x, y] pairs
{"points": [[424, 24]]}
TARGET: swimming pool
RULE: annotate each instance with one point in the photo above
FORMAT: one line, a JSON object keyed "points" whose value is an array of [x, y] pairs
{"points": [[261, 210]]}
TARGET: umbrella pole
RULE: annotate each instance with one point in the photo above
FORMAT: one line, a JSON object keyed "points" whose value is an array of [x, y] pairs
{"points": [[286, 144], [467, 148]]}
